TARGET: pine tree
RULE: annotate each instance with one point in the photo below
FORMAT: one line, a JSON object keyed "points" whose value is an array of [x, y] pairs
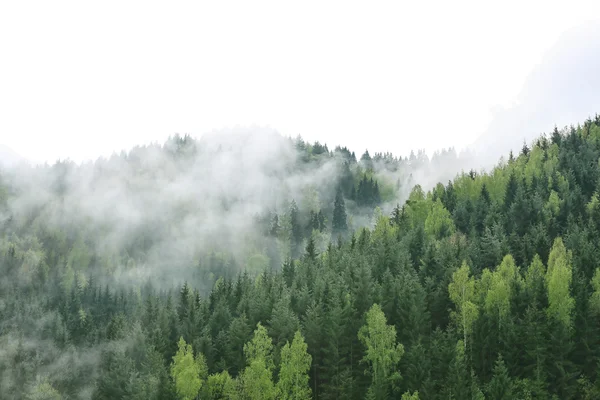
{"points": [[275, 227], [115, 371], [337, 376], [556, 136], [501, 385], [238, 334], [183, 307], [311, 250], [312, 326], [396, 217], [366, 160], [321, 221], [458, 381], [525, 149], [510, 192], [339, 221], [283, 322], [296, 229]]}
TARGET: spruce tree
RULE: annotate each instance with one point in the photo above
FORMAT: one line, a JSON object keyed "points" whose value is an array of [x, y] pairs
{"points": [[501, 385], [339, 221], [311, 249], [296, 229]]}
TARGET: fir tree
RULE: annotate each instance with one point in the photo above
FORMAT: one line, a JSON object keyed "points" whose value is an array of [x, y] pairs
{"points": [[339, 221]]}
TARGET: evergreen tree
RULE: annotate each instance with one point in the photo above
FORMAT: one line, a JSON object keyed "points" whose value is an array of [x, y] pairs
{"points": [[296, 229], [458, 380], [501, 385], [339, 221], [115, 371], [311, 251]]}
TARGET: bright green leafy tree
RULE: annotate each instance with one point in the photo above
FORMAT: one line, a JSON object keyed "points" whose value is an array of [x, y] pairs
{"points": [[382, 352], [293, 374], [188, 372], [257, 378]]}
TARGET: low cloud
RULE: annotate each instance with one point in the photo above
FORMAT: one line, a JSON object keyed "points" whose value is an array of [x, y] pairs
{"points": [[562, 90]]}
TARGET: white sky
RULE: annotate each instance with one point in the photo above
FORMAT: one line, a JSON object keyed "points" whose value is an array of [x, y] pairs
{"points": [[82, 79]]}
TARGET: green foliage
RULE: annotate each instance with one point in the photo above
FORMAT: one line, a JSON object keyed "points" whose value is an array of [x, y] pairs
{"points": [[220, 386], [501, 385], [535, 279], [257, 378], [293, 373], [498, 262], [462, 294], [501, 289], [595, 296], [44, 391], [257, 263], [382, 352], [340, 220], [439, 222], [558, 281], [189, 373], [410, 396]]}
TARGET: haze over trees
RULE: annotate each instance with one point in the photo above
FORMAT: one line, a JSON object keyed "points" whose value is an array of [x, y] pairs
{"points": [[252, 266]]}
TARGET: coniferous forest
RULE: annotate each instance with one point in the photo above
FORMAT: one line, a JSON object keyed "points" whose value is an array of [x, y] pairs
{"points": [[264, 267]]}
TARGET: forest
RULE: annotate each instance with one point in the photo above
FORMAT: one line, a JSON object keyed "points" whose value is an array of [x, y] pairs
{"points": [[255, 266]]}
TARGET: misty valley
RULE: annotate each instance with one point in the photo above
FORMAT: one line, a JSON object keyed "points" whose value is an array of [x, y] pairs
{"points": [[249, 265]]}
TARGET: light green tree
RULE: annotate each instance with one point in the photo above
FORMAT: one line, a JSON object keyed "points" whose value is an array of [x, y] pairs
{"points": [[535, 278], [44, 391], [382, 352], [220, 386], [595, 296], [409, 396], [558, 283], [462, 294], [554, 204], [439, 222], [503, 280], [257, 378], [188, 373], [293, 374]]}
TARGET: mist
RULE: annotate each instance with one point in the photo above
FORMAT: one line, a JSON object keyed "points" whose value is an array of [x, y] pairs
{"points": [[562, 89], [194, 210]]}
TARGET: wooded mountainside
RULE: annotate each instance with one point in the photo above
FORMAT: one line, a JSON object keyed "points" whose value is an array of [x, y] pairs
{"points": [[261, 267]]}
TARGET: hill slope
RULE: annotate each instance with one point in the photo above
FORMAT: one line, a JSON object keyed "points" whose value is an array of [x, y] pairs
{"points": [[485, 286]]}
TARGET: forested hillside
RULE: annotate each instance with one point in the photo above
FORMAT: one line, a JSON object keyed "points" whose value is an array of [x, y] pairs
{"points": [[261, 267]]}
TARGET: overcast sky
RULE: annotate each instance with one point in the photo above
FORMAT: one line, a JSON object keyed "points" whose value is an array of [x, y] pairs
{"points": [[82, 79]]}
